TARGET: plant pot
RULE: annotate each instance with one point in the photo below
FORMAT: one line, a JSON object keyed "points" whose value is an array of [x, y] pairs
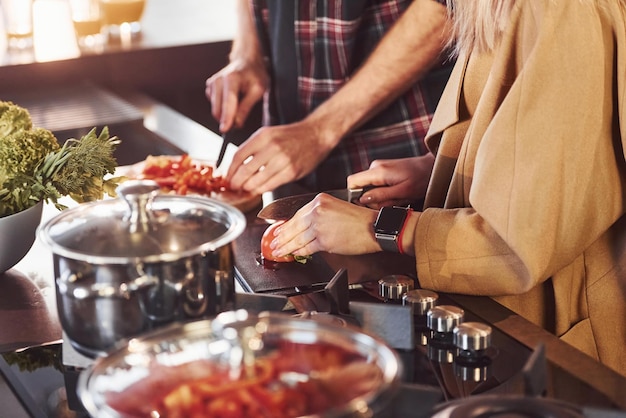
{"points": [[17, 235]]}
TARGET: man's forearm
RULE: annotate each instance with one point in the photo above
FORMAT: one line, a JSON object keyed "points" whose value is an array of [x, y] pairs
{"points": [[411, 47], [246, 44]]}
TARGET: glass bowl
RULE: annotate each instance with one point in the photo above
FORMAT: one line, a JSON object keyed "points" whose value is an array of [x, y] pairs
{"points": [[268, 364]]}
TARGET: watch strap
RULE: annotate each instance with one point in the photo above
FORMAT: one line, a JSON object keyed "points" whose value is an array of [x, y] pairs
{"points": [[388, 242]]}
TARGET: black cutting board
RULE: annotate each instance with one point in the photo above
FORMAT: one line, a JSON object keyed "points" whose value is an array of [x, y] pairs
{"points": [[255, 277]]}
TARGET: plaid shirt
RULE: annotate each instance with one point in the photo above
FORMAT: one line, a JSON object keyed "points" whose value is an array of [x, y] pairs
{"points": [[312, 49]]}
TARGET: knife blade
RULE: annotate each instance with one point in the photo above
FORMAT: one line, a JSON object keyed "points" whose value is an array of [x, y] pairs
{"points": [[285, 207], [304, 289], [220, 156]]}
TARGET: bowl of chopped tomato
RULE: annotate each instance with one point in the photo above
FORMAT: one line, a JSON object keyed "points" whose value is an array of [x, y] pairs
{"points": [[240, 364]]}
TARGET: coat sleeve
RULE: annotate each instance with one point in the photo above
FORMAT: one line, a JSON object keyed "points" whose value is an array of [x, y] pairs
{"points": [[546, 155]]}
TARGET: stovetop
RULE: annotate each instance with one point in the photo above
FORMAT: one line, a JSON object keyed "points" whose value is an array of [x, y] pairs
{"points": [[438, 378]]}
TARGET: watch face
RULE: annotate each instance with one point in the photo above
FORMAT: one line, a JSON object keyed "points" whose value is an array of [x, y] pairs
{"points": [[390, 220]]}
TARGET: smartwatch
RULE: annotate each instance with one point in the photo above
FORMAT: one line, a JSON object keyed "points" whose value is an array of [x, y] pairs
{"points": [[388, 226]]}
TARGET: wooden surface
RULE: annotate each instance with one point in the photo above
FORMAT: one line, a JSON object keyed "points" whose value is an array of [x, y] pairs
{"points": [[245, 202]]}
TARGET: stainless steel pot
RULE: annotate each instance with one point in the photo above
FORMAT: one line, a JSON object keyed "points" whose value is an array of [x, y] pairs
{"points": [[124, 266]]}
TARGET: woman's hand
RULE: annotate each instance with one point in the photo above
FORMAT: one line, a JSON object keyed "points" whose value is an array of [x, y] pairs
{"points": [[327, 224], [399, 182]]}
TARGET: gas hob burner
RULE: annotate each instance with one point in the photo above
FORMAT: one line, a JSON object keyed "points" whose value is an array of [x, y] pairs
{"points": [[507, 406]]}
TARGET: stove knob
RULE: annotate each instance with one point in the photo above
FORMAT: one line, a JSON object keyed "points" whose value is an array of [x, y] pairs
{"points": [[444, 318], [393, 287], [420, 300], [472, 336]]}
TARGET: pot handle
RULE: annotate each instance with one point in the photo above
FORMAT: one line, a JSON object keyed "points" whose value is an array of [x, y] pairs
{"points": [[70, 287]]}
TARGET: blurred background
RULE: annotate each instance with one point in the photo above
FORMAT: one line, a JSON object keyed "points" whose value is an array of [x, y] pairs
{"points": [[180, 45]]}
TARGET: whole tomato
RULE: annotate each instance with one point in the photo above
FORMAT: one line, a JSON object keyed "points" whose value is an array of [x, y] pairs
{"points": [[266, 240]]}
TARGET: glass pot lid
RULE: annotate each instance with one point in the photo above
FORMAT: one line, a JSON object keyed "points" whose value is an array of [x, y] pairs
{"points": [[270, 359], [142, 224]]}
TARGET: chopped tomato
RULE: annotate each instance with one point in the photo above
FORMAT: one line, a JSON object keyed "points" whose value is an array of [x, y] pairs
{"points": [[266, 240], [183, 175], [163, 181]]}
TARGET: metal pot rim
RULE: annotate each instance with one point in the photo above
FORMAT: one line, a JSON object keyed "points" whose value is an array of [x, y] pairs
{"points": [[236, 227]]}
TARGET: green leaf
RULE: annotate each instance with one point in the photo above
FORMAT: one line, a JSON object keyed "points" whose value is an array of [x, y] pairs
{"points": [[302, 259]]}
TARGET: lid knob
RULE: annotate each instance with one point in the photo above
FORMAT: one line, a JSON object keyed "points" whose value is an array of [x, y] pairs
{"points": [[393, 287], [138, 194], [420, 300], [444, 318], [472, 336]]}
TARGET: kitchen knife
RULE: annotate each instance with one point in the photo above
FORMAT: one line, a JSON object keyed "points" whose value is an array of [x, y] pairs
{"points": [[304, 289], [220, 156], [285, 207]]}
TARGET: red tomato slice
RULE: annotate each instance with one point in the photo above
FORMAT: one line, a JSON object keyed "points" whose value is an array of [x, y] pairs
{"points": [[183, 175], [266, 240], [166, 181]]}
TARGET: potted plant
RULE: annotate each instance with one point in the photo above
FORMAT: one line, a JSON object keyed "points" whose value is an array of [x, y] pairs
{"points": [[35, 168]]}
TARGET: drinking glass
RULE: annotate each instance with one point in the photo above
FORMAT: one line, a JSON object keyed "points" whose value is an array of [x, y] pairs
{"points": [[18, 23], [122, 17], [88, 22]]}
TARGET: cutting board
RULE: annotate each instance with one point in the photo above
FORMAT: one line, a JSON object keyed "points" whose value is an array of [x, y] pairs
{"points": [[256, 277], [372, 267], [245, 202]]}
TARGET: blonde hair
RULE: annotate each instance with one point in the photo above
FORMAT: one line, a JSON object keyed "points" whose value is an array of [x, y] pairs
{"points": [[478, 24]]}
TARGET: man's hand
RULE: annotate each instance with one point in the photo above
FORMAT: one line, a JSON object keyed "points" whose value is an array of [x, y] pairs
{"points": [[234, 90], [275, 155]]}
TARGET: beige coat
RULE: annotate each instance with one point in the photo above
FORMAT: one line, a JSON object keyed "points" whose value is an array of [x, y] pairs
{"points": [[527, 197]]}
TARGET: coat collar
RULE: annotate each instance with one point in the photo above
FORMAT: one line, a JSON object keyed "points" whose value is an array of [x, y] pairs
{"points": [[447, 113]]}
